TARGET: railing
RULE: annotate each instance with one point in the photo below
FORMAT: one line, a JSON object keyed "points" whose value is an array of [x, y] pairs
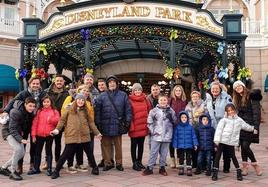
{"points": [[10, 27]]}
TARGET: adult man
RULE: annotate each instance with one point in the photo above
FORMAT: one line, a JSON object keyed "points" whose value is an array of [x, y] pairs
{"points": [[153, 97], [20, 123], [58, 94], [215, 102], [34, 90], [108, 119], [89, 80], [101, 85]]}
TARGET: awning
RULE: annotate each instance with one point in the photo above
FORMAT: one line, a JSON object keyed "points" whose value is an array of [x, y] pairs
{"points": [[8, 82]]}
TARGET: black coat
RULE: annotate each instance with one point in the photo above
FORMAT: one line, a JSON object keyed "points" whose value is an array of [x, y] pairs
{"points": [[57, 98], [20, 121], [252, 115], [21, 96]]}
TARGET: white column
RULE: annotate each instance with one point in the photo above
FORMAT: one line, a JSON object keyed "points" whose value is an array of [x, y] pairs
{"points": [[28, 13], [263, 20]]}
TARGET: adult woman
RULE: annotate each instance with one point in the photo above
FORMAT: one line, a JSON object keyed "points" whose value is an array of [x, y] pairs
{"points": [[195, 108], [249, 109], [138, 128], [178, 103]]}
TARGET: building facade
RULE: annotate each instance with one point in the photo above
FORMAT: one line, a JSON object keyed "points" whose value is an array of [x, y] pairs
{"points": [[254, 25]]}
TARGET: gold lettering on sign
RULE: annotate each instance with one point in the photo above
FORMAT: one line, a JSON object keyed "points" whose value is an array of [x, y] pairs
{"points": [[203, 22], [174, 14]]}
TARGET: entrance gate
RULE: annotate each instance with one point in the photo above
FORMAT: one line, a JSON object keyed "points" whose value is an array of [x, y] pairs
{"points": [[84, 37]]}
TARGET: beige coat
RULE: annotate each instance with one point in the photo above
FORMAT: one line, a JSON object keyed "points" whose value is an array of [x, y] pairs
{"points": [[77, 126]]}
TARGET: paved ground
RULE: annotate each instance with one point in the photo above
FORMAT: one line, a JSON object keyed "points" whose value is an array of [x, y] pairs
{"points": [[129, 177]]}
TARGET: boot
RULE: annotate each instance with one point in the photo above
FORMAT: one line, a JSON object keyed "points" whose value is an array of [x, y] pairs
{"points": [[147, 171], [244, 168], [15, 176], [181, 170], [140, 164], [136, 166], [20, 169], [197, 171], [189, 171], [257, 168], [55, 174], [95, 171], [215, 174], [44, 166], [49, 166], [172, 162], [208, 172], [163, 171], [239, 175]]}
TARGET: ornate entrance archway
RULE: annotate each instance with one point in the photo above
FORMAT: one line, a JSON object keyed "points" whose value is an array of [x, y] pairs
{"points": [[86, 36]]}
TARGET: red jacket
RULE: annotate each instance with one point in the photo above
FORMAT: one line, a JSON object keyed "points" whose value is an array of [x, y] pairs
{"points": [[140, 110], [45, 121]]}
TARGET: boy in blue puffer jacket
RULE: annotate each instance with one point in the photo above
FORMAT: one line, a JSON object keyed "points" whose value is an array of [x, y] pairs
{"points": [[184, 139], [205, 135]]}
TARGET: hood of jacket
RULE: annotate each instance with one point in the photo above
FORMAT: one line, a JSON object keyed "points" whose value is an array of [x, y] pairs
{"points": [[209, 121], [179, 118], [255, 94]]}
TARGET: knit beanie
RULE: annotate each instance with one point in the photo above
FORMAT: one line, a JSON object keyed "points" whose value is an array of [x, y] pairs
{"points": [[136, 86], [80, 96], [237, 83], [110, 78]]}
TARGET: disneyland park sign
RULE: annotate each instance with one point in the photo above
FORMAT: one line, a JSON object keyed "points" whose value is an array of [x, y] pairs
{"points": [[126, 13]]}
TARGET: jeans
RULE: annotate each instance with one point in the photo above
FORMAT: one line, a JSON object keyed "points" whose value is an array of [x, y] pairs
{"points": [[188, 154], [162, 149], [18, 153], [204, 155]]}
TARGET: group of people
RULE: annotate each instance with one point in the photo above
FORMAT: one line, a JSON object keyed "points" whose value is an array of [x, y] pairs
{"points": [[199, 131]]}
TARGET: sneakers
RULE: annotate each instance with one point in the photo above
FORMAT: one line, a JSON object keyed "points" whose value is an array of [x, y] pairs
{"points": [[15, 176], [55, 174], [147, 171], [70, 170], [163, 171], [49, 172], [215, 174], [81, 168], [33, 172], [119, 167], [4, 171], [95, 171]]}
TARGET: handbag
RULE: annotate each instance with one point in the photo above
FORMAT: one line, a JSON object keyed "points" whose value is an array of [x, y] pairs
{"points": [[123, 125]]}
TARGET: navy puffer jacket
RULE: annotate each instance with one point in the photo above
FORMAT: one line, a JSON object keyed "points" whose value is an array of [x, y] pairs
{"points": [[205, 134], [184, 136], [106, 116]]}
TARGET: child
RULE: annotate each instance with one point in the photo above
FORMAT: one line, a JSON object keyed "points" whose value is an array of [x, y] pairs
{"points": [[160, 123], [45, 121], [205, 135], [20, 120], [184, 139], [227, 137], [77, 125]]}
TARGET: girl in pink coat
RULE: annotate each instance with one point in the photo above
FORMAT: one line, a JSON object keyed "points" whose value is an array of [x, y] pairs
{"points": [[44, 122]]}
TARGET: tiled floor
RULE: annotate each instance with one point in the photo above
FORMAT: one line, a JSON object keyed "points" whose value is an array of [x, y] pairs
{"points": [[129, 177]]}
